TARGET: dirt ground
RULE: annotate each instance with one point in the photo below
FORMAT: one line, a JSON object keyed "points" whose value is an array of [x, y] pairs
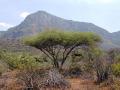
{"points": [[80, 84]]}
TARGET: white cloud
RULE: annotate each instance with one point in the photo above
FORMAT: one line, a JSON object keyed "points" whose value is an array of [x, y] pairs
{"points": [[24, 14], [2, 24], [5, 26]]}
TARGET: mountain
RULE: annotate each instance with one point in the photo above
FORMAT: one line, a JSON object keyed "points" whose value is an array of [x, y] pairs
{"points": [[116, 37], [41, 20], [1, 33]]}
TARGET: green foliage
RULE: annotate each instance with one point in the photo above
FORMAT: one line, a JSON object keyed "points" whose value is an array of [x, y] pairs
{"points": [[114, 55], [116, 69], [56, 37], [3, 68], [116, 62], [21, 61], [117, 58]]}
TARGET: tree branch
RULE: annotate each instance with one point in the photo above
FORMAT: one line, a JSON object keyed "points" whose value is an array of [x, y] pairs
{"points": [[46, 53], [67, 54]]}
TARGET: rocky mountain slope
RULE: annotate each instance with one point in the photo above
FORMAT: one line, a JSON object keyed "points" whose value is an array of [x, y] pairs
{"points": [[41, 20]]}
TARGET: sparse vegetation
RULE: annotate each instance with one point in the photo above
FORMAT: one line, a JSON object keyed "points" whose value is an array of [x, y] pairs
{"points": [[64, 56]]}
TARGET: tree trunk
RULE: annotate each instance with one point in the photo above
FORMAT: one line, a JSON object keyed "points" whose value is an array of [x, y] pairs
{"points": [[56, 64]]}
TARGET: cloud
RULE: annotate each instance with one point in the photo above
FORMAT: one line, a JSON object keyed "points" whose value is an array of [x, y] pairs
{"points": [[24, 14], [2, 24], [5, 26]]}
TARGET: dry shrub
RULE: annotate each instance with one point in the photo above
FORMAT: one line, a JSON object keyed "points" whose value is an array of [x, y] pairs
{"points": [[54, 80], [31, 78], [42, 79], [74, 71], [8, 81], [13, 84], [116, 84]]}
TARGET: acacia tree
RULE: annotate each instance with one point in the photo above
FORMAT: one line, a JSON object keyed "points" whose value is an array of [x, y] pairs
{"points": [[58, 45]]}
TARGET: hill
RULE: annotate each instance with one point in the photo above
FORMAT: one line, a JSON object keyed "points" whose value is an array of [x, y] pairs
{"points": [[41, 20]]}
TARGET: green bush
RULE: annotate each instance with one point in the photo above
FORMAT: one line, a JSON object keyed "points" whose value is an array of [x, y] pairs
{"points": [[22, 61], [116, 69]]}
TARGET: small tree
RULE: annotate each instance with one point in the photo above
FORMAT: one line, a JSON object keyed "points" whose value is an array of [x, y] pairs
{"points": [[99, 62], [58, 45]]}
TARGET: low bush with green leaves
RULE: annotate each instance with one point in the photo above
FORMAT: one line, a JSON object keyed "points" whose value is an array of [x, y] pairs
{"points": [[116, 69], [22, 61]]}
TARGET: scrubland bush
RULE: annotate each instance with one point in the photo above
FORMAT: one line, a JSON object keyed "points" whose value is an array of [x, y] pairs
{"points": [[73, 71], [23, 61], [18, 61], [31, 78], [97, 62], [114, 54], [42, 79], [116, 84], [3, 68], [116, 65], [116, 69], [33, 72], [93, 63], [102, 66], [116, 76]]}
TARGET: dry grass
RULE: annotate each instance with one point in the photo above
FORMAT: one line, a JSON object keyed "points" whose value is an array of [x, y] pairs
{"points": [[76, 84], [80, 84]]}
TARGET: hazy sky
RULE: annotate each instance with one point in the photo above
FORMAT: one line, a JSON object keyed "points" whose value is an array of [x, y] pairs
{"points": [[104, 13]]}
